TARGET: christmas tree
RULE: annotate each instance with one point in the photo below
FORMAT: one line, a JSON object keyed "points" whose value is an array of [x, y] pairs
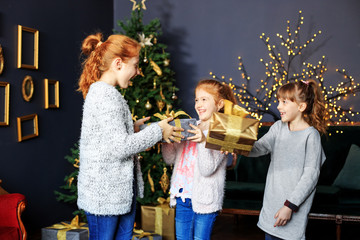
{"points": [[153, 91], [286, 63]]}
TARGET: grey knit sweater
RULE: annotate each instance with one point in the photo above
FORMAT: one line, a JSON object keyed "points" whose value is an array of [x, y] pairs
{"points": [[209, 176], [296, 159], [107, 147]]}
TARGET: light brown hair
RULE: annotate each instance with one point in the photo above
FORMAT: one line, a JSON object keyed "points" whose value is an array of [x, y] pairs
{"points": [[101, 54], [217, 90], [309, 92]]}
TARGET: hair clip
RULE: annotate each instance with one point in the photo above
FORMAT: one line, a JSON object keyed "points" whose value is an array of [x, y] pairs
{"points": [[306, 82]]}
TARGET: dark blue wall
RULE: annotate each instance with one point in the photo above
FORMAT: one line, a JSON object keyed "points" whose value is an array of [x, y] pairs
{"points": [[206, 36], [36, 167]]}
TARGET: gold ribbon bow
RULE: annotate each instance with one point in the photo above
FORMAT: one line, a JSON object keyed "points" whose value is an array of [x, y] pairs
{"points": [[233, 109], [64, 227], [163, 207], [141, 234], [170, 114]]}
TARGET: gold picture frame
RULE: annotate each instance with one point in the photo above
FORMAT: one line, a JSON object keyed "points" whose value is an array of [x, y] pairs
{"points": [[34, 51], [56, 100], [27, 88], [6, 104], [35, 133], [1, 60]]}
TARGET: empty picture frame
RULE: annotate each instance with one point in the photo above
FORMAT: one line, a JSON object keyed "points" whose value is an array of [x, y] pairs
{"points": [[28, 48], [27, 88], [51, 94], [29, 131], [4, 103]]}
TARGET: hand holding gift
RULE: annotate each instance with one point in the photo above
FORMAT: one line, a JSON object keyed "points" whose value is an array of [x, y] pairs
{"points": [[179, 125], [170, 133], [198, 134]]}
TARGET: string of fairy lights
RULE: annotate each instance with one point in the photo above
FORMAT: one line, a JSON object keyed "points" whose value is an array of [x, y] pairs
{"points": [[277, 73]]}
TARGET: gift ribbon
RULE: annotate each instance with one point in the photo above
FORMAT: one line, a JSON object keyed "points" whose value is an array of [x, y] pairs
{"points": [[234, 109], [163, 207], [141, 234], [64, 227], [170, 114], [173, 115]]}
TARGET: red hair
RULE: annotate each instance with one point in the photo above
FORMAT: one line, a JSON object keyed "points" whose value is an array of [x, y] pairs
{"points": [[101, 54], [217, 90], [308, 92]]}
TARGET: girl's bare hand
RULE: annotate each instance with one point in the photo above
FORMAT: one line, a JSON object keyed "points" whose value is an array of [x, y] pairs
{"points": [[199, 135], [170, 132], [140, 122]]}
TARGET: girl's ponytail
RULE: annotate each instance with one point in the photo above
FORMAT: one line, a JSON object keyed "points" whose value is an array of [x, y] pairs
{"points": [[91, 72], [316, 114]]}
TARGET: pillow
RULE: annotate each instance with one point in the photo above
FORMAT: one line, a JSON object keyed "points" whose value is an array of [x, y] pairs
{"points": [[349, 176]]}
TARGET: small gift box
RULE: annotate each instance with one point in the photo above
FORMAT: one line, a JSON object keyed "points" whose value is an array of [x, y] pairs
{"points": [[232, 131], [183, 123], [141, 234], [66, 231], [159, 219]]}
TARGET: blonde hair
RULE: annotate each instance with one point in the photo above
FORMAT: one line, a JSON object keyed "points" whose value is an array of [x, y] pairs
{"points": [[217, 90], [101, 54], [309, 92]]}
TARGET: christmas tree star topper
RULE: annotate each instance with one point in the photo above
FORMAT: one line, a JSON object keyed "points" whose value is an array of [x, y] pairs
{"points": [[137, 6]]}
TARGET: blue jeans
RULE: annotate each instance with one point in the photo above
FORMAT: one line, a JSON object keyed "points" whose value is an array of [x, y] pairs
{"points": [[271, 237], [190, 225]]}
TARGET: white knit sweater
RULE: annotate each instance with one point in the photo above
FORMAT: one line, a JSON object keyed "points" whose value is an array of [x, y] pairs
{"points": [[107, 147], [209, 176]]}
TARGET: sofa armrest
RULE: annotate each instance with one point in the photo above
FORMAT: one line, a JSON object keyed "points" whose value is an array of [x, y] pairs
{"points": [[11, 207]]}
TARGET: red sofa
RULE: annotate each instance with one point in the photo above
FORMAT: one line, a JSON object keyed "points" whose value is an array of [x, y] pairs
{"points": [[11, 207]]}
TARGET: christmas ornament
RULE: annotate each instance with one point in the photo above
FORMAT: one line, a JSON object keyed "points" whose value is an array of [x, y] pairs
{"points": [[166, 62], [70, 180], [148, 105], [160, 104], [137, 6], [164, 181], [144, 41], [174, 97], [141, 73], [76, 164], [140, 157], [154, 83], [156, 67], [151, 182]]}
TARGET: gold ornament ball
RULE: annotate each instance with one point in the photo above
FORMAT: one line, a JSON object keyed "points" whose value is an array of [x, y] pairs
{"points": [[174, 97], [148, 105]]}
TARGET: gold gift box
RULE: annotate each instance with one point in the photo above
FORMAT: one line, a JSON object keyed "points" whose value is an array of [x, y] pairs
{"points": [[159, 220], [232, 131]]}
